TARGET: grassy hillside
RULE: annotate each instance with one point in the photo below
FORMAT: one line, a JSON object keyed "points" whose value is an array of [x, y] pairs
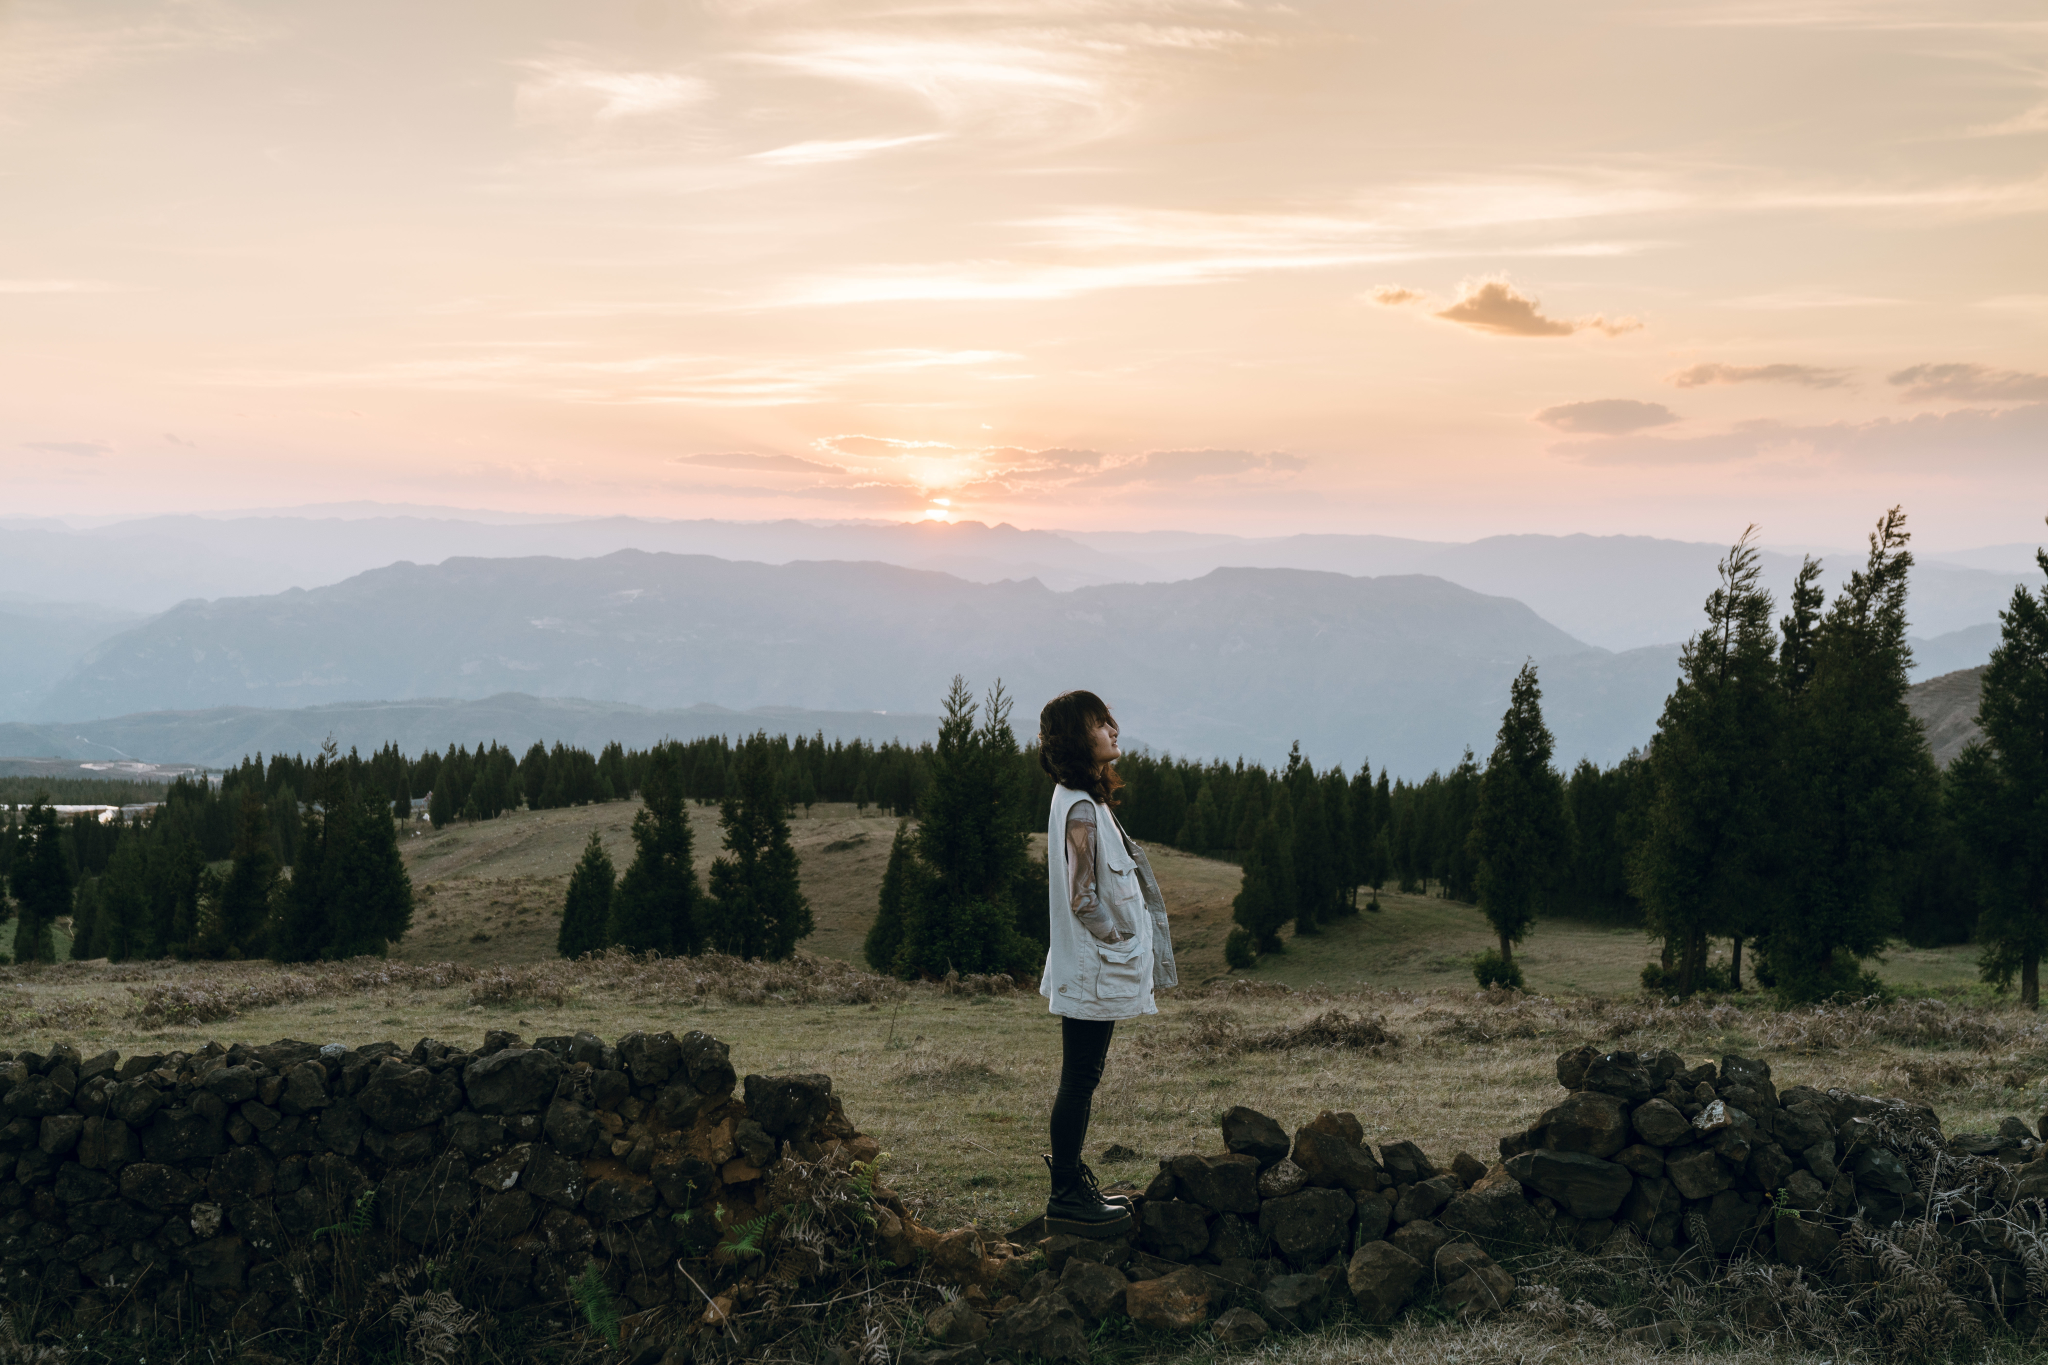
{"points": [[490, 894]]}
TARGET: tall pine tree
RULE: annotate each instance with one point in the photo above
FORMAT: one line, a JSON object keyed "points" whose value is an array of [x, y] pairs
{"points": [[1520, 841], [244, 923], [1858, 788], [587, 908], [1265, 896], [655, 909], [901, 881], [349, 894], [1703, 867], [756, 906], [41, 882], [1998, 790], [971, 840]]}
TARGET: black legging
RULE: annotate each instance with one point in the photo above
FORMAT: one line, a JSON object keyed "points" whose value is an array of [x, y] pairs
{"points": [[1084, 1045]]}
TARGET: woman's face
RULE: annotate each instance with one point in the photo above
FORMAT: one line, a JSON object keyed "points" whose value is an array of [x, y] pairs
{"points": [[1103, 735]]}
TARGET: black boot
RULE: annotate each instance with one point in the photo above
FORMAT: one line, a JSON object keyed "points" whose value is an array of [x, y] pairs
{"points": [[1077, 1206]]}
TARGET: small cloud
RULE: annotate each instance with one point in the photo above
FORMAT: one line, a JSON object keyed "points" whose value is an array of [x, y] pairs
{"points": [[1199, 464], [1497, 307], [82, 449], [1969, 383], [1606, 416], [1394, 295], [175, 439], [778, 464], [849, 149], [1809, 376]]}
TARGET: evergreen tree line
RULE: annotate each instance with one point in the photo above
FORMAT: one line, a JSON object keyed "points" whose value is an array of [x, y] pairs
{"points": [[752, 905]]}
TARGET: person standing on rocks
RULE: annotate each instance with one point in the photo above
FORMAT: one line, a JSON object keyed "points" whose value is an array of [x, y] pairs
{"points": [[1109, 944]]}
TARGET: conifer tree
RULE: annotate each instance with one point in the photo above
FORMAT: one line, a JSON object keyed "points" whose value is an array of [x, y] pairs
{"points": [[756, 906], [1315, 872], [971, 840], [655, 909], [587, 908], [245, 895], [85, 915], [349, 894], [1519, 837], [885, 935], [1364, 832], [41, 883], [1858, 787], [1998, 791], [1703, 867], [1379, 865], [1199, 833], [1265, 897]]}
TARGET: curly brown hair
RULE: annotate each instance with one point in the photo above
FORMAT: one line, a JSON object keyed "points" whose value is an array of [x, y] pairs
{"points": [[1066, 749]]}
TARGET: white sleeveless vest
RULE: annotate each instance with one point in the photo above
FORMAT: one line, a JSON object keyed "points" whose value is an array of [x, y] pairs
{"points": [[1084, 977]]}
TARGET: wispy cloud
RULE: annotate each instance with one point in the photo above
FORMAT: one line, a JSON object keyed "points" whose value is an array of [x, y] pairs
{"points": [[1968, 383], [1971, 437], [1807, 376], [1606, 416], [1496, 307], [570, 90], [767, 464], [848, 149]]}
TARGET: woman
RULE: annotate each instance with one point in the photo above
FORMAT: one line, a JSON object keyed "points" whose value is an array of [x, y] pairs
{"points": [[1109, 942]]}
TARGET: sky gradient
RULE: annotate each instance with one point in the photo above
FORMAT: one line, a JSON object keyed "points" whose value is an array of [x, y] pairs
{"points": [[1429, 270]]}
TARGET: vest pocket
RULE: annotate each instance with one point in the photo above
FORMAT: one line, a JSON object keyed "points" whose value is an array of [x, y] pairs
{"points": [[1120, 971]]}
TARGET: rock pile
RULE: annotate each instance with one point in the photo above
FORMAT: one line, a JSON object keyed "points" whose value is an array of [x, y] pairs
{"points": [[225, 1186]]}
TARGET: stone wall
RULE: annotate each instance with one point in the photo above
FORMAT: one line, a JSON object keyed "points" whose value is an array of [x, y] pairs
{"points": [[253, 1188]]}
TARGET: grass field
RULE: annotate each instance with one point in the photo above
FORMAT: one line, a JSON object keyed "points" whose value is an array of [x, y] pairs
{"points": [[956, 1086]]}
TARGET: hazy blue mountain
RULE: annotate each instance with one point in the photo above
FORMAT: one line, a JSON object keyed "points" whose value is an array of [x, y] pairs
{"points": [[1959, 649], [223, 735], [41, 641], [1408, 669], [1618, 592]]}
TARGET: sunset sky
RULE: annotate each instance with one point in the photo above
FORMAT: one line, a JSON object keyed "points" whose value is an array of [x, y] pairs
{"points": [[1441, 270]]}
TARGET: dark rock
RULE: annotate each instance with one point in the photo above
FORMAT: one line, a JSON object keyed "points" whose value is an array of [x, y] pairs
{"points": [[1585, 1186], [1047, 1328], [1382, 1278], [570, 1128], [1619, 1074], [1225, 1184], [677, 1103], [615, 1201], [503, 1173], [76, 1185], [512, 1081], [1803, 1191], [1231, 1238], [59, 1133], [305, 1088], [1308, 1226], [1805, 1242], [651, 1057], [609, 1089], [476, 1136], [134, 1101], [504, 1215], [1769, 1165], [1375, 1215], [497, 1040], [1644, 1161], [181, 1136], [241, 1173], [1281, 1179], [1496, 1214], [708, 1063], [754, 1145], [1698, 1173], [1473, 1287], [401, 1149], [587, 1049], [554, 1177], [341, 1127], [1174, 1229], [1744, 1071], [1424, 1200], [1250, 1133], [158, 1186], [259, 1118], [1174, 1302], [1421, 1240], [426, 1203], [1328, 1161], [37, 1096], [1406, 1164], [1588, 1121], [1876, 1167], [788, 1108], [1296, 1301], [107, 1144], [1649, 1200], [1238, 1327], [399, 1097], [1571, 1066], [682, 1180], [1469, 1169], [1728, 1216], [216, 1263], [1094, 1288], [232, 1084], [101, 1065]]}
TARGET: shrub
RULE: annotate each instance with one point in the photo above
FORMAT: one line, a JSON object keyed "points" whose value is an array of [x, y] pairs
{"points": [[1241, 950], [1490, 969]]}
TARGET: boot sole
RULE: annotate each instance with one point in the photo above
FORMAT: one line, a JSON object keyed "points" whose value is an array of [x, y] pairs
{"points": [[1075, 1227]]}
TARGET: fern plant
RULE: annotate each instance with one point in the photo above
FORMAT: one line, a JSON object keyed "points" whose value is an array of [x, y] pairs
{"points": [[594, 1297], [747, 1236], [358, 1221]]}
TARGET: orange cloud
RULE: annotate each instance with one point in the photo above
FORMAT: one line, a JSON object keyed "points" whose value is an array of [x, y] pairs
{"points": [[1606, 416], [1394, 295], [1811, 376], [1970, 383], [1498, 308]]}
